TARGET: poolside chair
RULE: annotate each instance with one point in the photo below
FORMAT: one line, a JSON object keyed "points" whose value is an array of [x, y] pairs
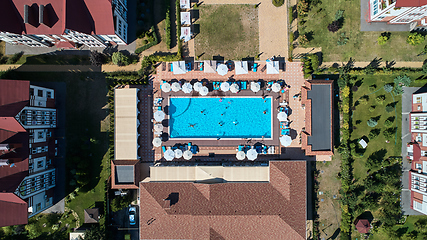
{"points": [[286, 132], [171, 67], [189, 146], [244, 85], [163, 148], [194, 149], [241, 148], [258, 149], [264, 149], [254, 68]]}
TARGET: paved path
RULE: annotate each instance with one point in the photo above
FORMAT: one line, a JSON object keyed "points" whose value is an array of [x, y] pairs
{"points": [[382, 64], [273, 26], [69, 68]]}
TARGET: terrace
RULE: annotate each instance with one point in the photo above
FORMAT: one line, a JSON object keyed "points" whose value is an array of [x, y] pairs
{"points": [[206, 87]]}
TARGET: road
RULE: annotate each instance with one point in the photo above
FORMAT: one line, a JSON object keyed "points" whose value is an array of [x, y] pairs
{"points": [[121, 225]]}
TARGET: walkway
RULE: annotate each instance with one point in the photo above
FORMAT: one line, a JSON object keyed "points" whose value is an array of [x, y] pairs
{"points": [[69, 68], [273, 26]]}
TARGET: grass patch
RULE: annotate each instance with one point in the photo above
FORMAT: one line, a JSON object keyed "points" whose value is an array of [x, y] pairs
{"points": [[361, 115], [230, 31], [362, 46], [408, 226], [2, 47]]}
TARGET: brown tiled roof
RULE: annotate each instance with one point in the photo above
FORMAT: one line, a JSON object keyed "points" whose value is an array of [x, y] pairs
{"points": [[263, 210], [13, 210], [12, 91]]}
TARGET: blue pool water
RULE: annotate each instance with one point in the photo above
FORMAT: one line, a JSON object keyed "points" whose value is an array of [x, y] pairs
{"points": [[220, 117]]}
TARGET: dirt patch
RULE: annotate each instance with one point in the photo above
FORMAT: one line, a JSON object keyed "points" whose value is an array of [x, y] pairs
{"points": [[230, 31], [329, 209]]}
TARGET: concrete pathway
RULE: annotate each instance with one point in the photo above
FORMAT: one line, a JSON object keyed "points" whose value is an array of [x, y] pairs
{"points": [[382, 64], [273, 26], [69, 68]]}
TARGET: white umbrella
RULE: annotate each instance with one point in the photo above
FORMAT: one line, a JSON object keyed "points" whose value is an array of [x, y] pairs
{"points": [[255, 86], [166, 87], [252, 154], [176, 87], [222, 69], [169, 155], [197, 86], [225, 86], [187, 155], [276, 87], [282, 116], [285, 140], [187, 87], [240, 155], [234, 88], [178, 153], [157, 142], [158, 127], [204, 91], [159, 116]]}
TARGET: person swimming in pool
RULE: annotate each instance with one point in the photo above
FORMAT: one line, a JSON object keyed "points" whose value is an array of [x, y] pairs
{"points": [[265, 112], [192, 125]]}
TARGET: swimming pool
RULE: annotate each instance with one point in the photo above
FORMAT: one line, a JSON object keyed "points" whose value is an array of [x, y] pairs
{"points": [[215, 117]]}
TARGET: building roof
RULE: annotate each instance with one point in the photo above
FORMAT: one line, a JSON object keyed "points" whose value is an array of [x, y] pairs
{"points": [[125, 174], [85, 16], [410, 3], [125, 114], [92, 215], [320, 138], [245, 210], [209, 174], [13, 209], [13, 91], [122, 176], [363, 225]]}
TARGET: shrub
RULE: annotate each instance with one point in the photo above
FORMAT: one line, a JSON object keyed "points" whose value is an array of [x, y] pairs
{"points": [[389, 133], [364, 99], [334, 26], [382, 40], [302, 7], [369, 70], [345, 92], [15, 58], [415, 38], [399, 82], [389, 108], [374, 133], [380, 99], [388, 123], [118, 203], [372, 122], [168, 26], [372, 108], [339, 15], [154, 41], [425, 67], [120, 59], [372, 88], [278, 3], [303, 39], [388, 88], [342, 40]]}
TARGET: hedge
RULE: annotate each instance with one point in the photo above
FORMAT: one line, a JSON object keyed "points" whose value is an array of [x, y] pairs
{"points": [[147, 46], [168, 24]]}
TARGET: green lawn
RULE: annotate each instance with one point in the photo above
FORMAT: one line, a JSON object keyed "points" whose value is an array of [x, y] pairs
{"points": [[361, 46], [362, 114], [408, 226], [230, 31]]}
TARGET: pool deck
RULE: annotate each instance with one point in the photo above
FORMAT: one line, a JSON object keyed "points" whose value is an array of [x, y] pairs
{"points": [[225, 150]]}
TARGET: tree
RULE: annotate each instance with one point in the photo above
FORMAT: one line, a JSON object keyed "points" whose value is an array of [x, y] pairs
{"points": [[334, 26], [94, 233], [372, 122], [120, 59], [388, 88], [382, 40], [415, 38], [425, 67], [119, 202], [278, 3], [389, 108]]}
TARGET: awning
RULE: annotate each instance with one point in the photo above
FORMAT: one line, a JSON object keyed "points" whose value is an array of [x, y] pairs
{"points": [[222, 69], [185, 18], [157, 142], [187, 87], [273, 67], [187, 154], [176, 86], [255, 86], [158, 127], [204, 91], [186, 34], [197, 86], [225, 86], [159, 116], [178, 67], [240, 155], [285, 140], [234, 88], [166, 87], [282, 116], [241, 67], [209, 66], [276, 87], [184, 3], [252, 154], [169, 155]]}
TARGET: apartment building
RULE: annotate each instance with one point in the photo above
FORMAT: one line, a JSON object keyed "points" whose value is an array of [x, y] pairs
{"points": [[45, 23], [27, 150], [417, 152], [398, 11]]}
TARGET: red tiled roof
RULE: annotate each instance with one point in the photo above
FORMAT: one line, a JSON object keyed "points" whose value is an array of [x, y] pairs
{"points": [[410, 3], [263, 210], [85, 16], [417, 152], [65, 44], [13, 210], [12, 91], [363, 226]]}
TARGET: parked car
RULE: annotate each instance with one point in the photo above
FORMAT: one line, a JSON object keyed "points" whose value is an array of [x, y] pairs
{"points": [[132, 212]]}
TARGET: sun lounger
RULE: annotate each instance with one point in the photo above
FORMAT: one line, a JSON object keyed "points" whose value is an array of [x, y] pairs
{"points": [[241, 147], [244, 85], [189, 145], [285, 131], [254, 68], [163, 148]]}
